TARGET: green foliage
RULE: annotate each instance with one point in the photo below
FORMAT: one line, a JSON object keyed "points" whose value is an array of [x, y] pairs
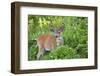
{"points": [[75, 36], [62, 52], [32, 50]]}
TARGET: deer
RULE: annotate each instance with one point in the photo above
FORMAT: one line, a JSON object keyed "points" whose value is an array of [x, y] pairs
{"points": [[48, 42]]}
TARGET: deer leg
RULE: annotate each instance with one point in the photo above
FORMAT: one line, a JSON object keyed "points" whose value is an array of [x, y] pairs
{"points": [[53, 47], [40, 53]]}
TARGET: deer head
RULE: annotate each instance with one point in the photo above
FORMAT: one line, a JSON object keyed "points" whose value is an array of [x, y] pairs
{"points": [[57, 31]]}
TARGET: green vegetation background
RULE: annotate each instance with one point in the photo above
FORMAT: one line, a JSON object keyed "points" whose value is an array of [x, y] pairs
{"points": [[75, 36]]}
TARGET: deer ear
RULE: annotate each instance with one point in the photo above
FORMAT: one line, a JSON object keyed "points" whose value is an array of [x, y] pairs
{"points": [[62, 27], [51, 29]]}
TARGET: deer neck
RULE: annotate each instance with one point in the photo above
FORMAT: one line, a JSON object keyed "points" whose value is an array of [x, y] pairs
{"points": [[59, 40]]}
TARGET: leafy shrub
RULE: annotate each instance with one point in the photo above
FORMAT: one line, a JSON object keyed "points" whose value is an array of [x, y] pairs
{"points": [[32, 50], [62, 52]]}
